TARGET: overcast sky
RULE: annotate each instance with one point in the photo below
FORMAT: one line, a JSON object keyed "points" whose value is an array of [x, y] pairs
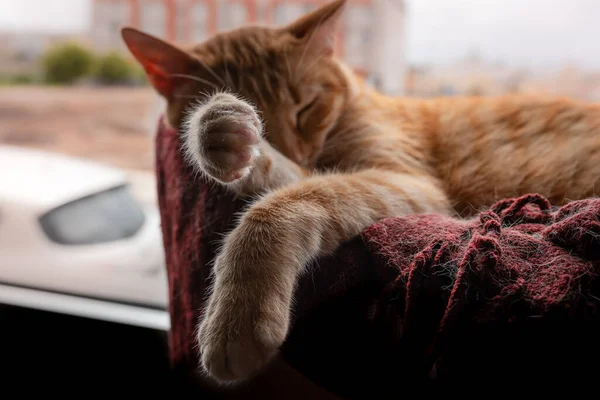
{"points": [[534, 33]]}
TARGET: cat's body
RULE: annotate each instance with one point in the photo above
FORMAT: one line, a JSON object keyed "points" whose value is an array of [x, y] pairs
{"points": [[485, 149], [330, 156]]}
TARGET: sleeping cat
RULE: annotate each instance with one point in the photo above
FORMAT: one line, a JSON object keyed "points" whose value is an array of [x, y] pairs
{"points": [[270, 112]]}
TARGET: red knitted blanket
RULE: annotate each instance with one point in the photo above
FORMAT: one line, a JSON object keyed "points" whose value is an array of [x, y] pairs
{"points": [[510, 296]]}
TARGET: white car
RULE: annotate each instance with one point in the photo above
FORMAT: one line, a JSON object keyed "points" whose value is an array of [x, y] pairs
{"points": [[74, 240]]}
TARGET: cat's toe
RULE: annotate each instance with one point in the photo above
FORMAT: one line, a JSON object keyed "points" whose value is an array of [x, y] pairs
{"points": [[214, 363], [232, 361], [234, 351], [247, 358]]}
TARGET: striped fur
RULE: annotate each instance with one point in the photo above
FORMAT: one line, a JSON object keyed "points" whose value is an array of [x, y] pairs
{"points": [[326, 156]]}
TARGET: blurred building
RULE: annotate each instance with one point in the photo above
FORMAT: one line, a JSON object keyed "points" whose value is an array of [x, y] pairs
{"points": [[372, 40], [469, 76], [475, 76]]}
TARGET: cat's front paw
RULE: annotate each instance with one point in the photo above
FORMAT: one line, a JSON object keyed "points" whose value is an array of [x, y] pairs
{"points": [[245, 323], [222, 137]]}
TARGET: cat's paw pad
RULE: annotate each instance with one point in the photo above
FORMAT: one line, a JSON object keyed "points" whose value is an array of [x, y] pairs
{"points": [[239, 335], [222, 137]]}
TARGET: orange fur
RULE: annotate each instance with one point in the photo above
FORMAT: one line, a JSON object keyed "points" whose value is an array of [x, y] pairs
{"points": [[269, 111]]}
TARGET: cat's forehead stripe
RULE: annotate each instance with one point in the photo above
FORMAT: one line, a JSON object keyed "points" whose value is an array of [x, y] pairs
{"points": [[243, 45], [244, 58]]}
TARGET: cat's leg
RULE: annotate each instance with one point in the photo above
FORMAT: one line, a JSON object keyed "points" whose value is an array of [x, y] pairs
{"points": [[223, 138], [248, 312]]}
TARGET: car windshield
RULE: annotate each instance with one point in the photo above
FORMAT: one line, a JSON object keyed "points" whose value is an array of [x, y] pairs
{"points": [[106, 216]]}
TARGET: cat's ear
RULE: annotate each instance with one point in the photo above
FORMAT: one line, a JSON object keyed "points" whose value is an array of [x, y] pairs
{"points": [[318, 28], [160, 60]]}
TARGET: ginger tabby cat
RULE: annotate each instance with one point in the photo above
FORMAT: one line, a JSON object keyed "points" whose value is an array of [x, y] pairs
{"points": [[270, 112]]}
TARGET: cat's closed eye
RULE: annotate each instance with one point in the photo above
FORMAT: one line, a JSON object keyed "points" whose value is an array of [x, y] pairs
{"points": [[304, 113]]}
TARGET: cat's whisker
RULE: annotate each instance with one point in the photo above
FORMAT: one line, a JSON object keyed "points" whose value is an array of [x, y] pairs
{"points": [[257, 90], [240, 81], [207, 94], [228, 77], [212, 72], [195, 78], [187, 96], [271, 75]]}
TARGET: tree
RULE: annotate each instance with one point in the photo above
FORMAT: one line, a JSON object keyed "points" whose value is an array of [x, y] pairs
{"points": [[66, 63], [113, 68]]}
